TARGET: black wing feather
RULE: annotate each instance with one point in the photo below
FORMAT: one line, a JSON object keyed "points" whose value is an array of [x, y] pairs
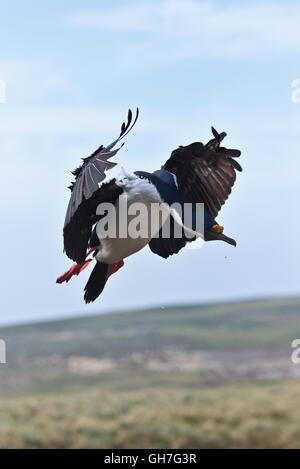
{"points": [[78, 231], [165, 247], [205, 173], [86, 194], [92, 171]]}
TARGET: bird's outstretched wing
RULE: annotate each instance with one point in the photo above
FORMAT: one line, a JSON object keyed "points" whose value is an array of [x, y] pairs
{"points": [[205, 173], [86, 194], [78, 231], [92, 171], [165, 247]]}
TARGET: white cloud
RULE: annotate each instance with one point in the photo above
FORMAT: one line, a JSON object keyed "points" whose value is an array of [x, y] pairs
{"points": [[29, 81], [190, 28]]}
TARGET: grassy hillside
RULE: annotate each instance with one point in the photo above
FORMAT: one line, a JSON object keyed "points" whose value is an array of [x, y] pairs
{"points": [[219, 343], [204, 376], [244, 416]]}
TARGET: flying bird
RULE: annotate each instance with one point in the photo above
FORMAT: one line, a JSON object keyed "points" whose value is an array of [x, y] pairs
{"points": [[194, 174]]}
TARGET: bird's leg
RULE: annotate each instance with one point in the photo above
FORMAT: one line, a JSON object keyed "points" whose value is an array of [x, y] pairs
{"points": [[75, 269], [112, 268]]}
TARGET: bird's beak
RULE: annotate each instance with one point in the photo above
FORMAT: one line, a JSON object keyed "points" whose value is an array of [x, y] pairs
{"points": [[214, 236]]}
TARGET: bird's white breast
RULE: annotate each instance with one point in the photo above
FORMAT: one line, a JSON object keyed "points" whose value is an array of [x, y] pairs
{"points": [[140, 198]]}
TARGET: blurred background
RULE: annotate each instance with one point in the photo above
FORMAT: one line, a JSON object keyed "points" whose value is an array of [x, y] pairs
{"points": [[197, 350]]}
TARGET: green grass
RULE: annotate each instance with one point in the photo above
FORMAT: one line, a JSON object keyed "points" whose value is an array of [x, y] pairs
{"points": [[187, 376], [245, 416]]}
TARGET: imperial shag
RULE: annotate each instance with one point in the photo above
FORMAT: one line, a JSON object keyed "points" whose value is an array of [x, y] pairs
{"points": [[194, 174]]}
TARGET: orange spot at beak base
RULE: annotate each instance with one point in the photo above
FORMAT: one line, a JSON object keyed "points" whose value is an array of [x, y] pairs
{"points": [[218, 229]]}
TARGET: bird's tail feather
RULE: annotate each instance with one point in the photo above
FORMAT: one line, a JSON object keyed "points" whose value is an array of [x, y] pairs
{"points": [[98, 279]]}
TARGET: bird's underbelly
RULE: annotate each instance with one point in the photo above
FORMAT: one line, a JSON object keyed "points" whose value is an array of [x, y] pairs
{"points": [[132, 229], [114, 250], [135, 219]]}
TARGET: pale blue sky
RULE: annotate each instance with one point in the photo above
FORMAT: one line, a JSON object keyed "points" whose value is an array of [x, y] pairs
{"points": [[73, 68]]}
